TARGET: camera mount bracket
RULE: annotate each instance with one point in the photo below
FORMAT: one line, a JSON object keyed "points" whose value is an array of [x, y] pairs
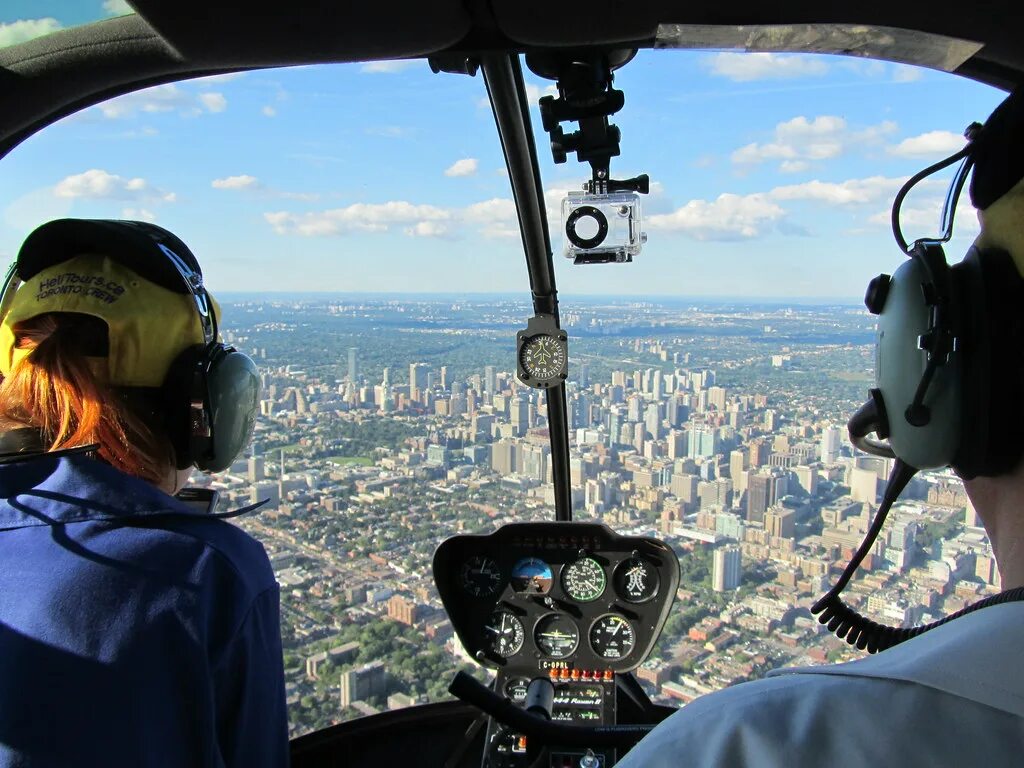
{"points": [[585, 95]]}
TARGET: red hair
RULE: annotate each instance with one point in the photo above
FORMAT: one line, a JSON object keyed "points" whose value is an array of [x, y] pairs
{"points": [[55, 389]]}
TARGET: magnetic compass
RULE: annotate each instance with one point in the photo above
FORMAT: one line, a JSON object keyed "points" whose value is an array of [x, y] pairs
{"points": [[542, 353]]}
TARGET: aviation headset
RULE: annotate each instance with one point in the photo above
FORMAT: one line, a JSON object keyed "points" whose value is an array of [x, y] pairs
{"points": [[949, 370], [210, 395]]}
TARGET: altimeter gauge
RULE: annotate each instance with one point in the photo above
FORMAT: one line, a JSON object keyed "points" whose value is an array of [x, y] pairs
{"points": [[612, 637], [504, 634], [584, 580], [542, 353]]}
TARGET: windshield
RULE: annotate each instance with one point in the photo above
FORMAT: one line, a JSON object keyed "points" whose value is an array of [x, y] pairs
{"points": [[23, 20], [356, 224]]}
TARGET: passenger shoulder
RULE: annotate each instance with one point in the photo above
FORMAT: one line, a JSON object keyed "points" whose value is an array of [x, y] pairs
{"points": [[229, 548]]}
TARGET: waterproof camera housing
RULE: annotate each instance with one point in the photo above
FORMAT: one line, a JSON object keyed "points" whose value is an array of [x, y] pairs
{"points": [[602, 228]]}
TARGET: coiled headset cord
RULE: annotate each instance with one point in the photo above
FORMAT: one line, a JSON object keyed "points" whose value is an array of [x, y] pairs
{"points": [[858, 630]]}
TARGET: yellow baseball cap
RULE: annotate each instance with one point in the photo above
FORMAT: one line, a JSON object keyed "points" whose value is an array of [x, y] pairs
{"points": [[149, 324]]}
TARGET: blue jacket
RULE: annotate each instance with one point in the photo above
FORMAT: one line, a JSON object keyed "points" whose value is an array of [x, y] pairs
{"points": [[133, 630]]}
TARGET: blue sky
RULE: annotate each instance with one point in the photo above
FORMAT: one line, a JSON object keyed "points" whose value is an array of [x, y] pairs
{"points": [[773, 173]]}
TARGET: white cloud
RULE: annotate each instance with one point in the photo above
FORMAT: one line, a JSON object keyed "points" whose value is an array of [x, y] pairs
{"points": [[764, 66], [162, 98], [243, 181], [427, 229], [269, 111], [465, 167], [100, 185], [387, 67], [800, 139], [117, 7], [904, 73], [494, 218], [16, 32], [849, 192], [793, 166], [924, 217], [359, 217], [214, 102], [729, 217], [138, 214], [931, 143]]}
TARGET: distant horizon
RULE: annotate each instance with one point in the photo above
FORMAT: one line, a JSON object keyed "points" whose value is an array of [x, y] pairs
{"points": [[764, 299]]}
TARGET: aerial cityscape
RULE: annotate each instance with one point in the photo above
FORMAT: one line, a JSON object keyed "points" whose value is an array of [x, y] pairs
{"points": [[388, 424]]}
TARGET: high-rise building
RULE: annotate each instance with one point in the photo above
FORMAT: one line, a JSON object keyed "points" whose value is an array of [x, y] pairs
{"points": [[417, 379], [780, 522], [404, 611], [716, 398], [703, 441], [490, 379], [353, 370], [864, 485], [584, 370], [363, 683], [763, 490], [831, 440], [726, 568], [444, 378], [534, 460], [256, 469], [519, 415], [652, 421], [505, 457]]}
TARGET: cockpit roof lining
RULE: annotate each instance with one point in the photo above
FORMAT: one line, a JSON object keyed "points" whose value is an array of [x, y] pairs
{"points": [[48, 78]]}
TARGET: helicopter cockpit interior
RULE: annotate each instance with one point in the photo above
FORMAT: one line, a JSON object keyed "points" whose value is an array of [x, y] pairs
{"points": [[557, 603]]}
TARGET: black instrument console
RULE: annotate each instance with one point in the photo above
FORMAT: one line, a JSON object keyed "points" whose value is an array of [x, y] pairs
{"points": [[570, 602]]}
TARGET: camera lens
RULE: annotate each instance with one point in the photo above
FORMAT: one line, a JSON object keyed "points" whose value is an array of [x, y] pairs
{"points": [[586, 217]]}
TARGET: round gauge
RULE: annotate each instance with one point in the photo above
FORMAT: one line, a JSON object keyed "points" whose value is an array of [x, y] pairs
{"points": [[556, 636], [532, 576], [584, 580], [612, 637], [636, 580], [515, 689], [481, 576], [542, 357], [505, 634]]}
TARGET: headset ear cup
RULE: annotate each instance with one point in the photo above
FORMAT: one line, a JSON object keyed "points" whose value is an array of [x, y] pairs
{"points": [[183, 386], [232, 396], [990, 290]]}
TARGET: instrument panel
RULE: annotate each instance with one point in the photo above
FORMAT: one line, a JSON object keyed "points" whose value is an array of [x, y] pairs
{"points": [[546, 597]]}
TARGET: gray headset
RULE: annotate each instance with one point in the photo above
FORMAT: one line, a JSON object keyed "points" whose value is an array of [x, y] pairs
{"points": [[948, 383]]}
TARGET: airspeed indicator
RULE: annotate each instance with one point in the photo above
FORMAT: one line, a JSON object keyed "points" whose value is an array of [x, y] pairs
{"points": [[584, 580]]}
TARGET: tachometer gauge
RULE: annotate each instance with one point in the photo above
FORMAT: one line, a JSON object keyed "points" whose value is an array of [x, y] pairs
{"points": [[556, 636], [532, 576], [505, 634], [636, 580], [584, 580], [481, 576], [612, 637]]}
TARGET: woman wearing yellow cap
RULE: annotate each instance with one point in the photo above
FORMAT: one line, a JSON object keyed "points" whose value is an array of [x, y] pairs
{"points": [[134, 630]]}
